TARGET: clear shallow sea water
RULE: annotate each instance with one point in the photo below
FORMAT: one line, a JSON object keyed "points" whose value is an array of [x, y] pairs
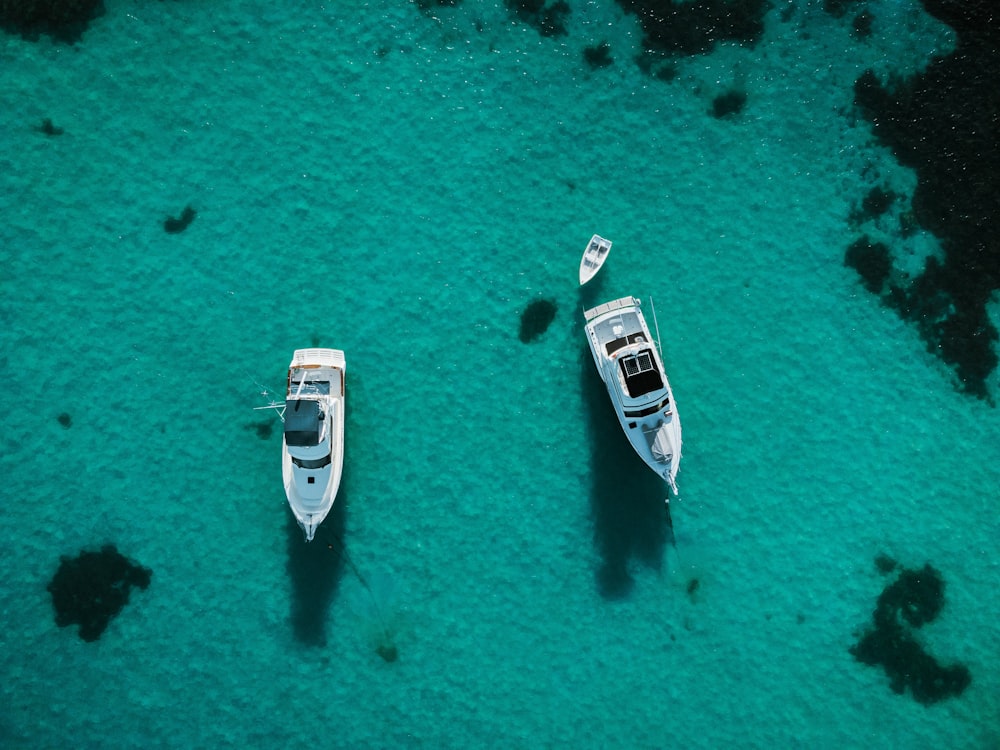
{"points": [[400, 186]]}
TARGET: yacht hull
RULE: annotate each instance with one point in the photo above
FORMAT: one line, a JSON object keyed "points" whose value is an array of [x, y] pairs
{"points": [[312, 446], [632, 370]]}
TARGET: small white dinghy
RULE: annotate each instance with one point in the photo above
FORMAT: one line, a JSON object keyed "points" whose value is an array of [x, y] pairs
{"points": [[312, 447], [593, 258]]}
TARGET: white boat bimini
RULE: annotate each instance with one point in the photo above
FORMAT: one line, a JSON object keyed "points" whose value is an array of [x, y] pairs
{"points": [[312, 448], [593, 258], [632, 369]]}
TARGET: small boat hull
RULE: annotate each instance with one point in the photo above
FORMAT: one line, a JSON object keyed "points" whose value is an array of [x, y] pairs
{"points": [[593, 258], [632, 370]]}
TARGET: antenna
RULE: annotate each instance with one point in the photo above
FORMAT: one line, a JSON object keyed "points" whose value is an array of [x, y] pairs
{"points": [[656, 323]]}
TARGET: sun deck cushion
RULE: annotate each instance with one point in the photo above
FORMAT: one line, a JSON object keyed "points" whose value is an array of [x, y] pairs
{"points": [[302, 423]]}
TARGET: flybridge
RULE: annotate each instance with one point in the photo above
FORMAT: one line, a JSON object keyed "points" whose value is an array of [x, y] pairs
{"points": [[303, 420], [641, 374]]}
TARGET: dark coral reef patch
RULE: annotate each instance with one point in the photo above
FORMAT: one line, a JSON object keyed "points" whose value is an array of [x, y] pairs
{"points": [[693, 27], [861, 26], [90, 589], [913, 599], [839, 8], [944, 123], [429, 5], [876, 202], [884, 564], [872, 261], [47, 127], [64, 20], [177, 225], [536, 318], [547, 16], [598, 56], [729, 104]]}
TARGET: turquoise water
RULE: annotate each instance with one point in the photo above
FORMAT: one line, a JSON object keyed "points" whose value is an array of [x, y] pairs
{"points": [[400, 185]]}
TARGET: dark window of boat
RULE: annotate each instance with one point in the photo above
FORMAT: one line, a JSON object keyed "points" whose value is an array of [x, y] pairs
{"points": [[649, 409], [318, 386], [312, 387], [641, 375], [302, 423], [632, 338], [315, 463]]}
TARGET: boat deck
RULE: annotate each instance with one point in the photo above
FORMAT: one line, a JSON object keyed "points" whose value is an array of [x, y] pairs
{"points": [[621, 330], [595, 253], [593, 257]]}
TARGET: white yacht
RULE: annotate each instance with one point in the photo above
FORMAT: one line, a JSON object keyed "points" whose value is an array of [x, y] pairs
{"points": [[632, 369], [313, 444]]}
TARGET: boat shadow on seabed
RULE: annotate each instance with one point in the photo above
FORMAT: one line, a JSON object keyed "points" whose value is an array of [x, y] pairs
{"points": [[626, 498], [315, 572]]}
